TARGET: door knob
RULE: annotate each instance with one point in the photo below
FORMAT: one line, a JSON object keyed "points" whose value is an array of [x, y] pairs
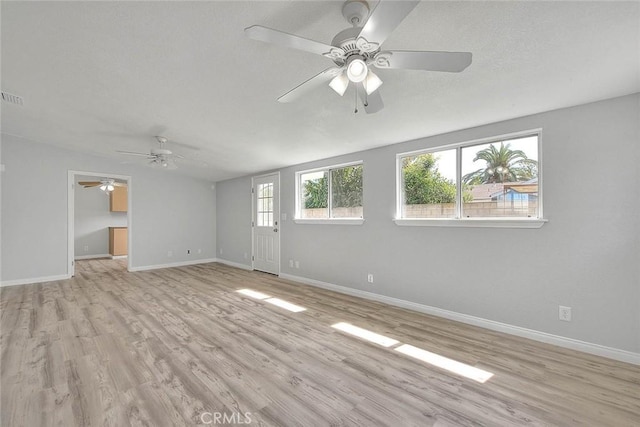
{"points": [[275, 230]]}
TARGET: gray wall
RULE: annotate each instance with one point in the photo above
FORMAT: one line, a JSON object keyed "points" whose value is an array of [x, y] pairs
{"points": [[233, 203], [586, 256], [92, 220], [169, 211]]}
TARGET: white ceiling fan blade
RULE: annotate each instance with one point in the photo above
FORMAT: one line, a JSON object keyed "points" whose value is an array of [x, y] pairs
{"points": [[314, 82], [385, 18], [269, 35], [452, 62], [131, 153], [372, 103]]}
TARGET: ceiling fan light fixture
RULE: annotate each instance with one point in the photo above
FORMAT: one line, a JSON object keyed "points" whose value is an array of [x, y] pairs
{"points": [[372, 82], [357, 70], [340, 83], [103, 187]]}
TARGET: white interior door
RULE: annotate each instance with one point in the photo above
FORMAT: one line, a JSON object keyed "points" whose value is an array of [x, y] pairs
{"points": [[266, 231]]}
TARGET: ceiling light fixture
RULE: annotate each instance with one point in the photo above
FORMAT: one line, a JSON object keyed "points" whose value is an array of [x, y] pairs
{"points": [[357, 70], [340, 83], [107, 186], [372, 82]]}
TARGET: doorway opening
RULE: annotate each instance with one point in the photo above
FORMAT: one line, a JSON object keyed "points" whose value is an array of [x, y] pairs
{"points": [[99, 222]]}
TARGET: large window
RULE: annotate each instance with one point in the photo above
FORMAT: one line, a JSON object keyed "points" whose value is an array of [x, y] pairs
{"points": [[330, 193], [490, 179]]}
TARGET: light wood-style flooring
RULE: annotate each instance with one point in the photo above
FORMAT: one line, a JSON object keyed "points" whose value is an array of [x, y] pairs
{"points": [[175, 346]]}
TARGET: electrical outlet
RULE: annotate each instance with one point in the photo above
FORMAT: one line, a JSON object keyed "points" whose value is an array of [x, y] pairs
{"points": [[86, 248], [564, 313], [370, 278], [169, 254], [290, 263], [199, 251], [297, 264], [188, 251], [220, 251]]}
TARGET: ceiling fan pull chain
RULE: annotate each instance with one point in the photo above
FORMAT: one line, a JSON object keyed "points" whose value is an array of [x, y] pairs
{"points": [[355, 111], [366, 95]]}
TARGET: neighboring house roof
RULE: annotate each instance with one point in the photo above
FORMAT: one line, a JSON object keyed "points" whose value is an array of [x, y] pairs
{"points": [[522, 188], [487, 192], [483, 192]]}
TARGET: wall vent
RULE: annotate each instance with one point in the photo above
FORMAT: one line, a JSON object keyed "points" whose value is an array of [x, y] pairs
{"points": [[13, 99]]}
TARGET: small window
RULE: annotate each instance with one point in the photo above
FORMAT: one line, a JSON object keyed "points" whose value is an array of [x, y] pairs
{"points": [[330, 193], [492, 179], [265, 205]]}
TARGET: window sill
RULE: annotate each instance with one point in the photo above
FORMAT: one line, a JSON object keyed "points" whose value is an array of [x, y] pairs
{"points": [[474, 222], [332, 221]]}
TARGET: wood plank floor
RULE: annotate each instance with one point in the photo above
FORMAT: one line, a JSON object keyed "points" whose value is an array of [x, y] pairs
{"points": [[180, 346]]}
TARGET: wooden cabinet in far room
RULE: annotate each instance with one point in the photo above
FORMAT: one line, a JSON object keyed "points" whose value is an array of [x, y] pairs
{"points": [[118, 199], [118, 241]]}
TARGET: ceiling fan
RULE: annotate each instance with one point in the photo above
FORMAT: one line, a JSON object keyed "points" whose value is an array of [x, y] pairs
{"points": [[356, 50], [107, 185], [161, 157]]}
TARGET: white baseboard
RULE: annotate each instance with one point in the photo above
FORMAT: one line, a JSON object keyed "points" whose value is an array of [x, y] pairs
{"points": [[34, 280], [118, 256], [173, 264], [80, 257], [234, 264], [570, 343]]}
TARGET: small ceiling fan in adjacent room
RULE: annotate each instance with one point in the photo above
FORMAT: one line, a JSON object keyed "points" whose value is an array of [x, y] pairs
{"points": [[356, 50], [107, 185], [160, 157]]}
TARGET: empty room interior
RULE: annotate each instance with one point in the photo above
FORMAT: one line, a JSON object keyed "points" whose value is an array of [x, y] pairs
{"points": [[314, 213]]}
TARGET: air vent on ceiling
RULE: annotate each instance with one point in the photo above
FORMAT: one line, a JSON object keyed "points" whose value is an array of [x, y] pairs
{"points": [[13, 99]]}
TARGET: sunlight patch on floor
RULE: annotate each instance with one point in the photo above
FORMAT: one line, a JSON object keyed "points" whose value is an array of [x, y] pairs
{"points": [[365, 334], [275, 301], [450, 365], [253, 294], [285, 304]]}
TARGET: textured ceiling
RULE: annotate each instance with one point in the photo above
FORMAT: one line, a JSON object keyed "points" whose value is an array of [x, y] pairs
{"points": [[105, 76]]}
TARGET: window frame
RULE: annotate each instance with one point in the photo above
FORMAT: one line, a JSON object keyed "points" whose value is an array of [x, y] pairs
{"points": [[336, 221], [458, 220]]}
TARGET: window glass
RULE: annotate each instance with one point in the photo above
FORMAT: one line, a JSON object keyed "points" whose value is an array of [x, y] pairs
{"points": [[346, 192], [264, 214], [314, 187], [429, 185], [497, 179], [501, 179], [334, 192]]}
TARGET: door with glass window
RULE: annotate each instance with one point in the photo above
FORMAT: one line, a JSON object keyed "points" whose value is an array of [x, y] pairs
{"points": [[266, 220]]}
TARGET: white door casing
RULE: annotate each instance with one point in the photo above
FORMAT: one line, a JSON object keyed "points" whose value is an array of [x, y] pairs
{"points": [[71, 176], [266, 220]]}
